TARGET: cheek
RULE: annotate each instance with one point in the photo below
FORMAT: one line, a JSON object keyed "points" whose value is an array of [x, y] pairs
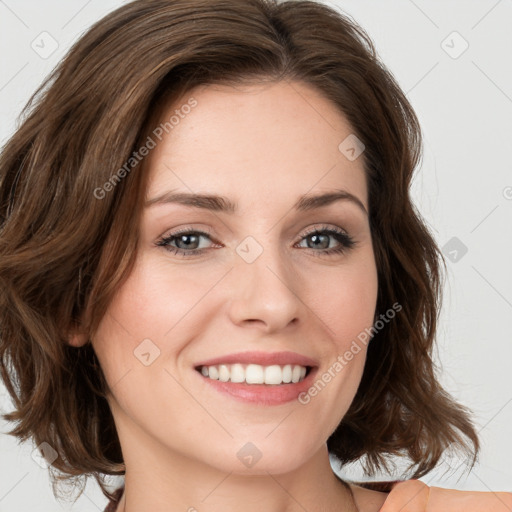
{"points": [[345, 301], [156, 310], [134, 316], [153, 301], [135, 342]]}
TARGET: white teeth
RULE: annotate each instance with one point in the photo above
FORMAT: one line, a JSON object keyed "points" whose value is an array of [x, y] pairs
{"points": [[296, 374], [255, 373], [273, 374], [237, 373], [223, 373], [287, 373]]}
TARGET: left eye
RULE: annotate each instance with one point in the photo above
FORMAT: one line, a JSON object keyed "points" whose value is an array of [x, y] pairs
{"points": [[187, 243]]}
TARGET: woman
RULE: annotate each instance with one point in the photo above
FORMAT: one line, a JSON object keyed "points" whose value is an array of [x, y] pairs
{"points": [[213, 277]]}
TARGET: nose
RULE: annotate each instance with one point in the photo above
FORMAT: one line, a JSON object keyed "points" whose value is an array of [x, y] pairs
{"points": [[264, 293]]}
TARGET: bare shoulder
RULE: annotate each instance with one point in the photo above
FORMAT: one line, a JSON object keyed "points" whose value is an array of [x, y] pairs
{"points": [[368, 500]]}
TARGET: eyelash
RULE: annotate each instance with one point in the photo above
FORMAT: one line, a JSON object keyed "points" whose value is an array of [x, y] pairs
{"points": [[346, 242]]}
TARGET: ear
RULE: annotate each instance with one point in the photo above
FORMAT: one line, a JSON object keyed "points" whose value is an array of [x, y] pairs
{"points": [[76, 336], [77, 340]]}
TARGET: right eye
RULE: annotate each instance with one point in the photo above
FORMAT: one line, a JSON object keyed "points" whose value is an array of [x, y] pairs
{"points": [[187, 239]]}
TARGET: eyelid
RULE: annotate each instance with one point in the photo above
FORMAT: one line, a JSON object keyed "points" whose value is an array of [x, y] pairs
{"points": [[189, 229], [346, 243], [209, 231], [323, 227]]}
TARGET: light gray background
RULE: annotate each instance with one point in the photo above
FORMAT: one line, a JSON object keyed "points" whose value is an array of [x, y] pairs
{"points": [[463, 189]]}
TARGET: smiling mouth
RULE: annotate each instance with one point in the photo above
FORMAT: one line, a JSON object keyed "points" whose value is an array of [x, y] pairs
{"points": [[272, 375]]}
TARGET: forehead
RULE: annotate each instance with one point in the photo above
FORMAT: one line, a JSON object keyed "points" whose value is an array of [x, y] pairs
{"points": [[263, 144]]}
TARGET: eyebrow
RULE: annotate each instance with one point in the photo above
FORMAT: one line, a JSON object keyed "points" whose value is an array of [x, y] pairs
{"points": [[223, 204]]}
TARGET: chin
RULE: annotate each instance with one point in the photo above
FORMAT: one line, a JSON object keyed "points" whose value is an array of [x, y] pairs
{"points": [[264, 455]]}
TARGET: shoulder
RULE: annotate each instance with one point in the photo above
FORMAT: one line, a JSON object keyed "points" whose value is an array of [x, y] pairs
{"points": [[370, 497]]}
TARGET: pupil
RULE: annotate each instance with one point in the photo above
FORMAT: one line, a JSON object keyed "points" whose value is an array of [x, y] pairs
{"points": [[183, 238], [316, 238]]}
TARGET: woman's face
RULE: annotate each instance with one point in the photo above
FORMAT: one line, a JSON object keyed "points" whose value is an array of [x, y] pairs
{"points": [[255, 295]]}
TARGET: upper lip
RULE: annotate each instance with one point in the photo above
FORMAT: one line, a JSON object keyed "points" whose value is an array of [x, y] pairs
{"points": [[261, 358]]}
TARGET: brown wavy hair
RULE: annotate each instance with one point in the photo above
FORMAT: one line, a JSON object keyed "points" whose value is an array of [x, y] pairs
{"points": [[64, 251]]}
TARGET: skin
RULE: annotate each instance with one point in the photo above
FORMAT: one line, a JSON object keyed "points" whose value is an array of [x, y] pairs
{"points": [[262, 146], [416, 496]]}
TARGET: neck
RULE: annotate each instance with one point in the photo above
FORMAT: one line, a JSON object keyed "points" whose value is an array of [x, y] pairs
{"points": [[160, 480]]}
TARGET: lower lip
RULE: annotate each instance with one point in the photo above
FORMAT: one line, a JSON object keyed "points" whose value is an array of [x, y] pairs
{"points": [[262, 394]]}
